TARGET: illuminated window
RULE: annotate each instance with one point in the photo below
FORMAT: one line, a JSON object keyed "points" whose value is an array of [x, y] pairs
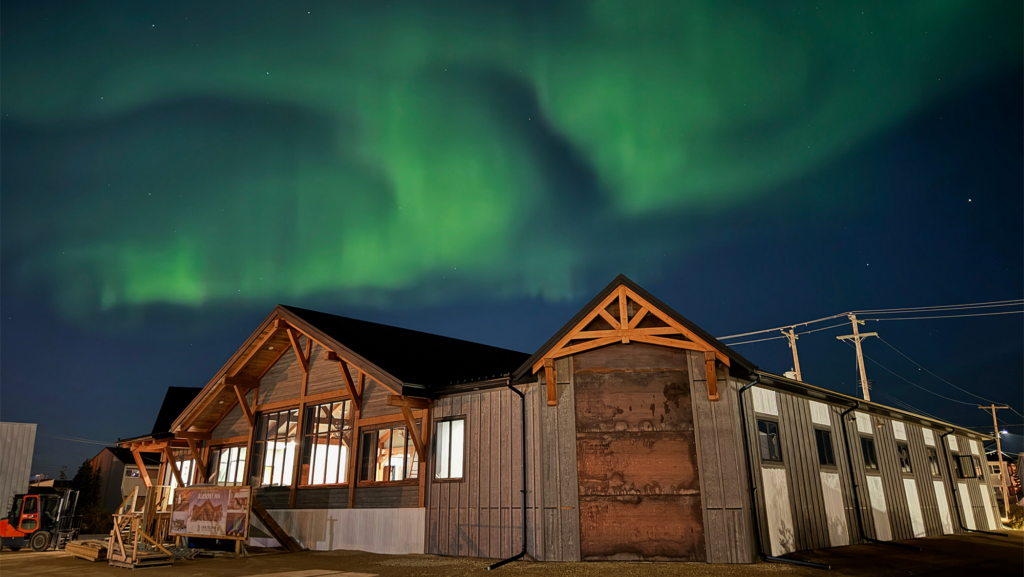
{"points": [[327, 441], [273, 449], [387, 455], [226, 466], [965, 467], [185, 463], [451, 449]]}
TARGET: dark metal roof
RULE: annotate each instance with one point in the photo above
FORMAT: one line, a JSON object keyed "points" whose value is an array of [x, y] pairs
{"points": [[125, 456], [175, 401], [738, 361], [414, 357]]}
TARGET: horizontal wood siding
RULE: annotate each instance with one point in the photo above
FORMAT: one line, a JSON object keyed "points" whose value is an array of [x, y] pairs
{"points": [[284, 380], [325, 376], [273, 497], [375, 400], [402, 496], [233, 424], [321, 498]]}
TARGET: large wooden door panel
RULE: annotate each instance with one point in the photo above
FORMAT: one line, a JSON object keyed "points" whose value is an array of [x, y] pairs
{"points": [[636, 456], [647, 528], [634, 463]]}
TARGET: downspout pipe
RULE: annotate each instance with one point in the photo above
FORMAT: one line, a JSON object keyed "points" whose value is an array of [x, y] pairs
{"points": [[753, 489], [522, 404], [856, 493], [956, 496]]}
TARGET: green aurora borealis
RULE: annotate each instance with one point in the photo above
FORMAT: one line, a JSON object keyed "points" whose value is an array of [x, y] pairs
{"points": [[191, 153]]}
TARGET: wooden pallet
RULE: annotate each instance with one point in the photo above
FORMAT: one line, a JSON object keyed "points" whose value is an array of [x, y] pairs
{"points": [[88, 550]]}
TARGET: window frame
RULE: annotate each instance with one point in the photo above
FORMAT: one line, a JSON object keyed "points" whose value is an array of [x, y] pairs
{"points": [[437, 446], [831, 447], [243, 458], [259, 447], [180, 457], [961, 473], [409, 445], [873, 466], [934, 468], [780, 461], [348, 426], [908, 469]]}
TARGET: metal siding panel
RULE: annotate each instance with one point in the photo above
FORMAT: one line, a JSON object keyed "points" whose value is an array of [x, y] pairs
{"points": [[892, 480], [923, 478]]}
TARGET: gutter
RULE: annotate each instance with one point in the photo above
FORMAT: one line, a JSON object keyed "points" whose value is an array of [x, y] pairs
{"points": [[522, 404], [956, 495], [753, 489]]}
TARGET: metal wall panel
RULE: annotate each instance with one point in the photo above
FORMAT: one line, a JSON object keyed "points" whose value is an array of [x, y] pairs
{"points": [[17, 441]]}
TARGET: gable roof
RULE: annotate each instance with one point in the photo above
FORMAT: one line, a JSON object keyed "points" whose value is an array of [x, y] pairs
{"points": [[414, 357], [126, 457], [525, 369], [175, 401]]}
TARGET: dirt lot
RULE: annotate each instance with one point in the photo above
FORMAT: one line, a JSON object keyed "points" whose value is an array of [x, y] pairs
{"points": [[958, 555]]}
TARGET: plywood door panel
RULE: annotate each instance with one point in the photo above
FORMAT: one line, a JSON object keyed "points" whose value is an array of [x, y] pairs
{"points": [[639, 488], [676, 535]]}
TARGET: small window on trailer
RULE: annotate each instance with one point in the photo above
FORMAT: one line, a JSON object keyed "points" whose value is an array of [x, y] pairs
{"points": [[867, 450], [965, 466], [933, 462], [768, 440], [826, 455], [903, 452]]}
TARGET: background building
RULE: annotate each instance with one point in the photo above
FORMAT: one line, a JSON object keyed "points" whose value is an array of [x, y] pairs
{"points": [[17, 441]]}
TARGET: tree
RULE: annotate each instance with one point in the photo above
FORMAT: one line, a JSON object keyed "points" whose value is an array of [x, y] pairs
{"points": [[63, 473], [95, 520]]}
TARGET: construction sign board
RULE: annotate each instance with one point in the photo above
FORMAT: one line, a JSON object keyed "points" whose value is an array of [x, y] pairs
{"points": [[217, 512]]}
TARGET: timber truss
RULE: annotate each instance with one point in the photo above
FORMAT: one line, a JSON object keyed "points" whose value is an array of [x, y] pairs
{"points": [[625, 317]]}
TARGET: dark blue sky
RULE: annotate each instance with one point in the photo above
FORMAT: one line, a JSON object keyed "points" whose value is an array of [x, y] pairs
{"points": [[925, 208]]}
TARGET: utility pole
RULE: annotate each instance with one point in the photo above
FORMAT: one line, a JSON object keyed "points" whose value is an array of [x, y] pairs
{"points": [[999, 451], [791, 336], [857, 337]]}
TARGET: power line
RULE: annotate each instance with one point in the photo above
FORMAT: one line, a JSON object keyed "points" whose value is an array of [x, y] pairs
{"points": [[940, 378], [947, 316], [756, 341], [913, 383], [1014, 302], [77, 440], [907, 405]]}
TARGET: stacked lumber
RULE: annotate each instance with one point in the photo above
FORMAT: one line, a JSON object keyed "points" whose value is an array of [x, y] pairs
{"points": [[88, 550]]}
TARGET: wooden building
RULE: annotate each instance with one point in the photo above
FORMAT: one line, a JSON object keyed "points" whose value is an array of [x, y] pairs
{"points": [[631, 434]]}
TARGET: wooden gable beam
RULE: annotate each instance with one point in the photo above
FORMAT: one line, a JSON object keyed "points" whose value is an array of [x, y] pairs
{"points": [[245, 406], [579, 327], [410, 402], [410, 427], [608, 317], [143, 471], [639, 316], [252, 352], [200, 468], [623, 313], [356, 395], [303, 360], [173, 465], [682, 329]]}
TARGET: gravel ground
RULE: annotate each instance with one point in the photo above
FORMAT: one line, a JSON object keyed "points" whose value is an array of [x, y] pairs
{"points": [[957, 555]]}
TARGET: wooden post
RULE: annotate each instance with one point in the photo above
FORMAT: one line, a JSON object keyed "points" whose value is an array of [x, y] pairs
{"points": [[355, 461], [712, 375], [549, 376], [173, 465], [142, 469], [424, 471]]}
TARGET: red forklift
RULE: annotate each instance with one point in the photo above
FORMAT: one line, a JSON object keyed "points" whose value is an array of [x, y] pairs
{"points": [[42, 519]]}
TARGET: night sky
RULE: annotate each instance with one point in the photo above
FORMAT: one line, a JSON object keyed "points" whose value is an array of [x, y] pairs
{"points": [[171, 171]]}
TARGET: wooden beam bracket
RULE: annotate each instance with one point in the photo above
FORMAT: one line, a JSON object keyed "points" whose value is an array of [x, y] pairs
{"points": [[712, 375], [249, 417], [549, 376], [410, 402], [410, 427]]}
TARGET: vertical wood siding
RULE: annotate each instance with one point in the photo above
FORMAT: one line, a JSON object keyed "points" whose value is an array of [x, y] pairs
{"points": [[481, 514], [728, 521]]}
